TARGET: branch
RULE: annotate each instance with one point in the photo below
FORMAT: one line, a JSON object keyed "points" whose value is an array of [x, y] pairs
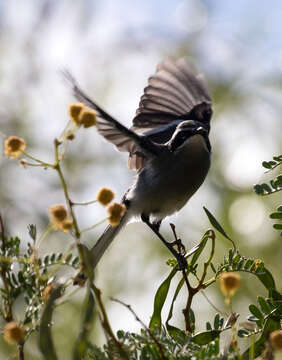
{"points": [[144, 326]]}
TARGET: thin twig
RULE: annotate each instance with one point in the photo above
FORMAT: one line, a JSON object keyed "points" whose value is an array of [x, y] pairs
{"points": [[144, 326], [21, 351], [42, 163], [212, 305], [3, 271], [191, 291], [206, 264], [84, 203], [105, 321], [93, 226], [57, 167]]}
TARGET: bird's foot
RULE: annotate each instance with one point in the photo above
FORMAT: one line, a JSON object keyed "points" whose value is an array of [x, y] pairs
{"points": [[182, 262]]}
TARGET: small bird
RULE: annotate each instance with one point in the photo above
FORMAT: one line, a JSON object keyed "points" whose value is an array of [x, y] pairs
{"points": [[168, 147]]}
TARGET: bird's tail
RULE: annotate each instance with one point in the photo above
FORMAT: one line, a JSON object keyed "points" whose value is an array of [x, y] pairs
{"points": [[106, 239]]}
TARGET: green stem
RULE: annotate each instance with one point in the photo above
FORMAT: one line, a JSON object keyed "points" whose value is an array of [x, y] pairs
{"points": [[93, 226], [206, 264], [44, 234], [42, 163], [84, 203], [105, 322]]}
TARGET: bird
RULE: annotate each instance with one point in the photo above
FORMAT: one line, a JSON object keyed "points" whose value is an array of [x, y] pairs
{"points": [[168, 146]]}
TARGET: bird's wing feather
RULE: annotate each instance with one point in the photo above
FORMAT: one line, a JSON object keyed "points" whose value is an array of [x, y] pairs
{"points": [[173, 91], [112, 130]]}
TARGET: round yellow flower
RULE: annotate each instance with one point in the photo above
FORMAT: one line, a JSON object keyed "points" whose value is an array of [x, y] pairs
{"points": [[14, 146], [58, 214], [115, 211], [276, 339], [87, 118], [229, 283], [13, 332], [105, 196], [74, 111]]}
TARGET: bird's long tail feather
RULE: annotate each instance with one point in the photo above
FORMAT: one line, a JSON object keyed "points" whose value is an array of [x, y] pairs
{"points": [[106, 239]]}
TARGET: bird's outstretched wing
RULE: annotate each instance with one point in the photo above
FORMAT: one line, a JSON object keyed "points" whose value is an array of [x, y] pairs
{"points": [[173, 94]]}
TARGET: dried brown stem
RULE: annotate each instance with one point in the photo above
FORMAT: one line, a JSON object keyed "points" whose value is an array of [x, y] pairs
{"points": [[9, 313], [21, 351], [105, 322], [144, 326]]}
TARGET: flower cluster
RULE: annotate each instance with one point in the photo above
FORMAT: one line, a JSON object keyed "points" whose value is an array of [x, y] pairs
{"points": [[82, 116], [59, 220], [116, 212], [14, 146], [229, 284], [105, 196], [13, 332]]}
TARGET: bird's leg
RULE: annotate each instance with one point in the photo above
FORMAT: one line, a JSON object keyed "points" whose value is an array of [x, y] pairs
{"points": [[182, 262], [177, 242]]}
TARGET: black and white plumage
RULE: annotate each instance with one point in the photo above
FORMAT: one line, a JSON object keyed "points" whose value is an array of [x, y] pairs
{"points": [[168, 145]]}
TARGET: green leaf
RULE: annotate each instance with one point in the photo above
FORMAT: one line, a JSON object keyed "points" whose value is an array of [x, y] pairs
{"points": [[277, 226], [206, 337], [177, 334], [171, 329], [276, 215], [212, 267], [216, 322], [32, 231], [208, 326], [160, 297], [68, 258], [264, 305], [243, 333], [258, 189], [266, 164], [248, 264], [275, 295], [198, 249], [267, 279], [217, 226], [80, 346], [256, 312], [46, 344], [277, 158]]}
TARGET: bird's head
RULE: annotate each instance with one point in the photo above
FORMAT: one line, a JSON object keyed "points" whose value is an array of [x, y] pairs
{"points": [[184, 131]]}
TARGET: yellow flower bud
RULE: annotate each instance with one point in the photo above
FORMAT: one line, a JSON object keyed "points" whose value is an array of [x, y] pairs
{"points": [[74, 111], [105, 196], [66, 225], [13, 332], [14, 146], [276, 339], [58, 214], [70, 137], [115, 211], [23, 163], [229, 283], [87, 118]]}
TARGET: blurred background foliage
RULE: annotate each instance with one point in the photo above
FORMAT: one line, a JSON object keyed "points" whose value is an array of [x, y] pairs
{"points": [[112, 47]]}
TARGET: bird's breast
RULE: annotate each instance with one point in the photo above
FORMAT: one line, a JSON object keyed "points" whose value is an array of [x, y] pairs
{"points": [[167, 182]]}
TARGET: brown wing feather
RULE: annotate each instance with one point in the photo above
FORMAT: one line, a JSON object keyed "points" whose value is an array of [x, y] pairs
{"points": [[179, 89]]}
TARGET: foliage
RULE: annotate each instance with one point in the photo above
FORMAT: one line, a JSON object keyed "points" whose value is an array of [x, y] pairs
{"points": [[37, 279]]}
